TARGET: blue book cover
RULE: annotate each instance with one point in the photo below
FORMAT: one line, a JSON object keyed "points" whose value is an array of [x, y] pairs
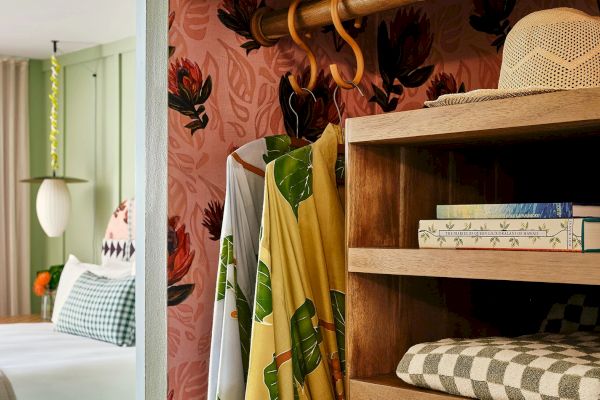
{"points": [[516, 210]]}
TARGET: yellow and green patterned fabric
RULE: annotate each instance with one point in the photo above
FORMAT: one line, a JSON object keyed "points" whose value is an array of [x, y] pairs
{"points": [[236, 278], [298, 326]]}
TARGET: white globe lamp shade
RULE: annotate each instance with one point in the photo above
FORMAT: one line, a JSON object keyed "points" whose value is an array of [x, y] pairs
{"points": [[53, 205]]}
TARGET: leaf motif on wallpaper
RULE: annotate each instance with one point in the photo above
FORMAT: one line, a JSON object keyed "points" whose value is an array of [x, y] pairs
{"points": [[213, 219], [188, 378], [196, 18], [236, 15], [443, 83], [241, 112], [268, 117], [449, 23], [401, 53], [351, 28], [171, 20], [217, 125], [188, 92], [240, 74], [313, 117], [179, 261], [282, 58], [491, 17]]}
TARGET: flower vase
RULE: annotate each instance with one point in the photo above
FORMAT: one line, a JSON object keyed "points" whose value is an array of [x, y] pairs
{"points": [[47, 305]]}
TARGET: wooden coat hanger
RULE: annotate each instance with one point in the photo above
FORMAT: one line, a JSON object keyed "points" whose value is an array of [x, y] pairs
{"points": [[358, 54]]}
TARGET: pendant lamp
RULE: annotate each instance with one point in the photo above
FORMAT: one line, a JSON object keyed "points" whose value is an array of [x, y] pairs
{"points": [[53, 202]]}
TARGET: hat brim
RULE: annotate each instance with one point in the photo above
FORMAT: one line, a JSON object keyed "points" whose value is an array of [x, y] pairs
{"points": [[480, 95]]}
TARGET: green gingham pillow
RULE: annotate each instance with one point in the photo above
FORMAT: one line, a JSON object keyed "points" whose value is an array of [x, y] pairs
{"points": [[101, 309]]}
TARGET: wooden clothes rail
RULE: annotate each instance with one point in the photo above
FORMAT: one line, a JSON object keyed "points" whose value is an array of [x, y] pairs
{"points": [[269, 25]]}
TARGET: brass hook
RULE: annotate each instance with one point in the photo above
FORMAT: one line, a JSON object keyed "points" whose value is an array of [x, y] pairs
{"points": [[309, 54], [360, 60]]}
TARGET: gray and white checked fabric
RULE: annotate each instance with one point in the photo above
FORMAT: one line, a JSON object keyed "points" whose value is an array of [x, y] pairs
{"points": [[534, 367], [579, 312], [101, 309]]}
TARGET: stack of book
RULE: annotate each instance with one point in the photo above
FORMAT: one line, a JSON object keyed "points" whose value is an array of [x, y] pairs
{"points": [[527, 226]]}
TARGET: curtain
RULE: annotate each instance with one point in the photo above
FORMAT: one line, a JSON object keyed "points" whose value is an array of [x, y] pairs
{"points": [[14, 196]]}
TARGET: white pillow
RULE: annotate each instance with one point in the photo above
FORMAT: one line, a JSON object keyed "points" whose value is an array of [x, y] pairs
{"points": [[73, 270]]}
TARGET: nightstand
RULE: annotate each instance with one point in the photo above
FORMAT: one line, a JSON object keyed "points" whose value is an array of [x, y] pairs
{"points": [[19, 319]]}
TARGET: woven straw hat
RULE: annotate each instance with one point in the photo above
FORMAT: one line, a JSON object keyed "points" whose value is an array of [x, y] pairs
{"points": [[546, 51]]}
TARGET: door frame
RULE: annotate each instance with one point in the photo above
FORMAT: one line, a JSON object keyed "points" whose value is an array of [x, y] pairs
{"points": [[151, 191]]}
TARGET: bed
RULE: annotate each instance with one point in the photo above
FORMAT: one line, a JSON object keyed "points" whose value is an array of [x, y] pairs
{"points": [[38, 363]]}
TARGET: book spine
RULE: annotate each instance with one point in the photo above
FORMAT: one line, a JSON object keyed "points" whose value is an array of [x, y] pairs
{"points": [[564, 234], [509, 211]]}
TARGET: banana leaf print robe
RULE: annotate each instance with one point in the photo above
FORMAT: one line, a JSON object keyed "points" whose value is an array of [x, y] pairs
{"points": [[297, 347], [232, 318]]}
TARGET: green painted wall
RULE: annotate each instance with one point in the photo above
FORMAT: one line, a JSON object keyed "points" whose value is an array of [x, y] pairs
{"points": [[97, 134]]}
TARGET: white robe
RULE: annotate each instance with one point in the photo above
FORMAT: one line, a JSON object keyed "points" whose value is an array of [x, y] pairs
{"points": [[240, 236]]}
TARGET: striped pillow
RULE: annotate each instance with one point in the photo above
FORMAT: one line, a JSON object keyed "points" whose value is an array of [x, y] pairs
{"points": [[100, 308]]}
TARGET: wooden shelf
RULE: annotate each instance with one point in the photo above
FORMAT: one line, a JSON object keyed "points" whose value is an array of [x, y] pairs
{"points": [[391, 387], [532, 117], [526, 266]]}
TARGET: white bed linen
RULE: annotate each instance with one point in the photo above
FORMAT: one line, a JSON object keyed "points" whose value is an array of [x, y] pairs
{"points": [[42, 364]]}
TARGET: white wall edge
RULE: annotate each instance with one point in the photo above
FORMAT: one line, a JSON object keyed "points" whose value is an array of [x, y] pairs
{"points": [[151, 206]]}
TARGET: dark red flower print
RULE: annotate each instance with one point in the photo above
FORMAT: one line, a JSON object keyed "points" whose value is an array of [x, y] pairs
{"points": [[171, 20], [313, 117], [213, 219], [236, 15], [188, 92], [351, 28], [443, 83], [401, 54], [171, 395], [179, 261], [491, 16]]}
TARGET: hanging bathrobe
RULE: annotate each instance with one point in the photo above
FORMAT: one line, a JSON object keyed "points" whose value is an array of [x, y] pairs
{"points": [[297, 348], [232, 319]]}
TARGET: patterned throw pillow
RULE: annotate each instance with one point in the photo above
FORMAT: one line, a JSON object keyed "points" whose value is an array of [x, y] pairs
{"points": [[101, 309], [119, 239], [578, 313]]}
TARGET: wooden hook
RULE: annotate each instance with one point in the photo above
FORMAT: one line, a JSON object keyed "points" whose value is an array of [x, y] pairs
{"points": [[309, 54], [360, 60]]}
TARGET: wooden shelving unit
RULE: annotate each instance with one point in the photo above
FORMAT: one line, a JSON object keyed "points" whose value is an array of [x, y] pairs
{"points": [[523, 266], [400, 166]]}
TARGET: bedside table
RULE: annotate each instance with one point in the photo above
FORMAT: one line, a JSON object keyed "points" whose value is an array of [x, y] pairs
{"points": [[19, 319]]}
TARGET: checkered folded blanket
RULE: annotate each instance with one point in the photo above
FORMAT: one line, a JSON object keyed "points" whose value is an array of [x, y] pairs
{"points": [[541, 367]]}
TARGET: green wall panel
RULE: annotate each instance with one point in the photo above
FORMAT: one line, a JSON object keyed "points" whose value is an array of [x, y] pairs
{"points": [[97, 125]]}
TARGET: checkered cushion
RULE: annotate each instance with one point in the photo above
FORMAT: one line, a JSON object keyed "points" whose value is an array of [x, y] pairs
{"points": [[540, 367], [577, 313], [100, 308]]}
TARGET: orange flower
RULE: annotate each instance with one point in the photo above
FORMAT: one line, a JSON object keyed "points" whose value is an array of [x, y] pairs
{"points": [[41, 283]]}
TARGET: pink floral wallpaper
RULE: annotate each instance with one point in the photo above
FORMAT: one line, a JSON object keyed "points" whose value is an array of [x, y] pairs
{"points": [[225, 90]]}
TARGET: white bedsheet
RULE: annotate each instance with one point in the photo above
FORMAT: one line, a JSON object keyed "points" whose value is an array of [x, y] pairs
{"points": [[45, 365]]}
